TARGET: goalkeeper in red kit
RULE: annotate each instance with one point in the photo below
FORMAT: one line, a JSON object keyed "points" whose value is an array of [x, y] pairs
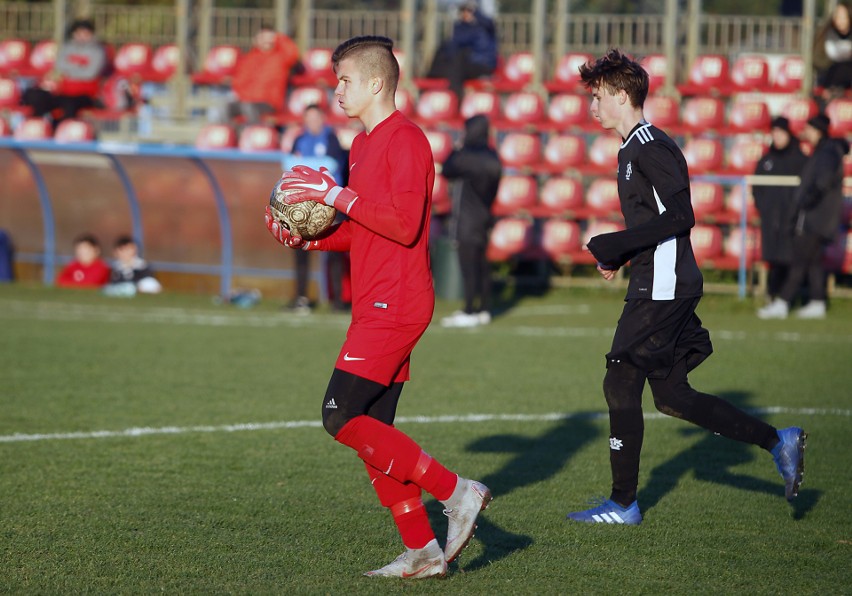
{"points": [[388, 202]]}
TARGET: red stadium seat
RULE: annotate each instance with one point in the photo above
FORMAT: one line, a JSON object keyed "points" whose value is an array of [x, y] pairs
{"points": [[663, 112], [567, 110], [744, 153], [318, 69], [708, 200], [42, 59], [515, 194], [522, 108], [436, 107], [133, 59], [164, 64], [704, 155], [442, 204], [441, 142], [258, 137], [732, 247], [749, 115], [219, 64], [602, 198], [703, 114], [34, 129], [346, 134], [789, 74], [594, 228], [847, 257], [734, 204], [560, 239], [566, 76], [480, 102], [216, 136], [798, 111], [706, 244], [74, 131], [5, 128], [10, 93], [708, 74], [839, 111], [750, 72], [564, 152], [656, 65], [404, 102], [510, 237], [300, 98], [603, 154], [520, 150], [14, 56], [514, 74], [561, 196]]}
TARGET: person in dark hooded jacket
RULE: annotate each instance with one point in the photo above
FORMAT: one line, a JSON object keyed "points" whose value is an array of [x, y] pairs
{"points": [[477, 169], [819, 204], [776, 204]]}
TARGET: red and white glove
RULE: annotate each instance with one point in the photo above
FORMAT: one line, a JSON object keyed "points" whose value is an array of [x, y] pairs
{"points": [[307, 184], [282, 234]]}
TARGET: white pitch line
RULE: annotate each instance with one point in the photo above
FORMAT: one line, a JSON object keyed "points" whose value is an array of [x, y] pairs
{"points": [[466, 419]]}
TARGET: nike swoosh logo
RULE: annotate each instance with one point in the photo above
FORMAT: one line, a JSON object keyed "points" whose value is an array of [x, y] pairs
{"points": [[416, 572], [349, 358], [316, 187]]}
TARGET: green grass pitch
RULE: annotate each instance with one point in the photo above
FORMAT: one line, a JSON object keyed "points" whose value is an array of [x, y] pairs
{"points": [[167, 444]]}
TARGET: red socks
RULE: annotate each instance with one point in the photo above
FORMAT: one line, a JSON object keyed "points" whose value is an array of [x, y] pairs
{"points": [[405, 505]]}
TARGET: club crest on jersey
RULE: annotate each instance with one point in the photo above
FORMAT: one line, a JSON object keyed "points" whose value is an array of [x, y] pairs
{"points": [[628, 171]]}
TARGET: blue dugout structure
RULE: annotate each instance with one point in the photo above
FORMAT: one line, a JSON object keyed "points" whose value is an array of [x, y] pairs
{"points": [[191, 211]]}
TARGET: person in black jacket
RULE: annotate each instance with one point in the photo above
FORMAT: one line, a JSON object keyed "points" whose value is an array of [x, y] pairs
{"points": [[776, 204], [659, 338], [477, 169], [819, 204]]}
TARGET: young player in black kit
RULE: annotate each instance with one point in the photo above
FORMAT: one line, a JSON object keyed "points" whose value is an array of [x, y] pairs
{"points": [[658, 338]]}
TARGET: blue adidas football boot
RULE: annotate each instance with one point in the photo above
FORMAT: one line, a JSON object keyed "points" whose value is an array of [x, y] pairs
{"points": [[789, 456], [609, 512]]}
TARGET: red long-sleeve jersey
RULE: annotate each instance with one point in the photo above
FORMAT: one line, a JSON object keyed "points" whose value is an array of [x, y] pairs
{"points": [[387, 233]]}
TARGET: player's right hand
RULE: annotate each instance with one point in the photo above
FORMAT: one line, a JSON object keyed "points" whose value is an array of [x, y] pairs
{"points": [[281, 233], [606, 271]]}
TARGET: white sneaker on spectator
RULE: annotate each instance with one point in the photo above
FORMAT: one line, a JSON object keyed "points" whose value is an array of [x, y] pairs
{"points": [[815, 309], [484, 317], [777, 309], [460, 319]]}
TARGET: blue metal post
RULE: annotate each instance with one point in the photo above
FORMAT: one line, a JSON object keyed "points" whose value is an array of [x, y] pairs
{"points": [[48, 220], [227, 266]]}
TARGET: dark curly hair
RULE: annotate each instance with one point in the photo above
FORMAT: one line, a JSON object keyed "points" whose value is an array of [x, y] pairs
{"points": [[616, 71]]}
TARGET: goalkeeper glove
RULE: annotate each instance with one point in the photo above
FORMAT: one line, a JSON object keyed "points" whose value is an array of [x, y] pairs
{"points": [[307, 184]]}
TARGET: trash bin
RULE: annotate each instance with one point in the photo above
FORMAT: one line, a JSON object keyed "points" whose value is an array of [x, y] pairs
{"points": [[445, 270]]}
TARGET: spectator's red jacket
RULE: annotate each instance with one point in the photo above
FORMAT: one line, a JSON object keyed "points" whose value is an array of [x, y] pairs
{"points": [[77, 275], [262, 76]]}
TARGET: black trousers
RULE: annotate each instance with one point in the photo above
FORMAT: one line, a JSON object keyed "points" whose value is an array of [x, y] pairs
{"points": [[44, 102], [807, 263], [457, 67], [476, 275]]}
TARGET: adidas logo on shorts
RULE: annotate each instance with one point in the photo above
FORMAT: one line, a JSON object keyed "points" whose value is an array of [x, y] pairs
{"points": [[331, 405]]}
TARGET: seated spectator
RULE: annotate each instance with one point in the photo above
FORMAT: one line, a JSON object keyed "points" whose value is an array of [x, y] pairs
{"points": [[833, 53], [470, 53], [130, 273], [259, 85], [88, 269], [75, 82]]}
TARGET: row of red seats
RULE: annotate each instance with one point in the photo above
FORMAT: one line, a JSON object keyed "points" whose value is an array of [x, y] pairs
{"points": [[39, 129], [563, 241]]}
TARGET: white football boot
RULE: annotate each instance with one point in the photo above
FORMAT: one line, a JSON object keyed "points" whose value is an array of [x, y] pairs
{"points": [[468, 499], [777, 309], [815, 309], [415, 563]]}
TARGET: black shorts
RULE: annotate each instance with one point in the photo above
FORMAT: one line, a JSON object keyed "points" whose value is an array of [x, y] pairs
{"points": [[653, 335]]}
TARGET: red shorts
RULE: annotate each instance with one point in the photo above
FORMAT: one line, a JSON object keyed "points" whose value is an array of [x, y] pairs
{"points": [[380, 351]]}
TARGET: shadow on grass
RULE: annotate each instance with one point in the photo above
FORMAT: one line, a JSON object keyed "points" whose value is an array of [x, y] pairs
{"points": [[535, 459], [712, 459]]}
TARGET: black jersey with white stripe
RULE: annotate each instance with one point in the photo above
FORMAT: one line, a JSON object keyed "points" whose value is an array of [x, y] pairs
{"points": [[653, 188]]}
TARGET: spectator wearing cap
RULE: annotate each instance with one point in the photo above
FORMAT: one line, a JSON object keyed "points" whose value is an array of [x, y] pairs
{"points": [[817, 213], [470, 53], [776, 204]]}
